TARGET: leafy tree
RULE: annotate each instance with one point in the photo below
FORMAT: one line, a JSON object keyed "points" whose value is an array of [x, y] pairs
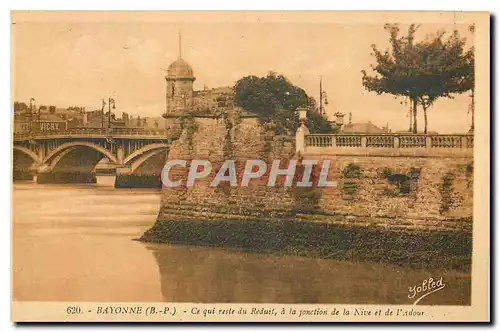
{"points": [[318, 123], [395, 71], [446, 69], [275, 99], [424, 71], [52, 109], [313, 104]]}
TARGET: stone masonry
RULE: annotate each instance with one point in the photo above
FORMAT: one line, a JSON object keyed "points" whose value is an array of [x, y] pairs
{"points": [[393, 192]]}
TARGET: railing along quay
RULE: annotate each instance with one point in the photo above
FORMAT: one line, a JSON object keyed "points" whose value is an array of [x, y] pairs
{"points": [[462, 141]]}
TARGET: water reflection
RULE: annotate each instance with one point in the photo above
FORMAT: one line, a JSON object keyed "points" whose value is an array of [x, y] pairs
{"points": [[203, 274], [75, 243]]}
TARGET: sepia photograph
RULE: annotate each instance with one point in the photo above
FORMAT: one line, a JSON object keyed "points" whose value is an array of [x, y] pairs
{"points": [[197, 166]]}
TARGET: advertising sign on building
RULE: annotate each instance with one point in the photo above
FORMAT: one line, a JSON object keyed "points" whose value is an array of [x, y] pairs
{"points": [[40, 126], [43, 126]]}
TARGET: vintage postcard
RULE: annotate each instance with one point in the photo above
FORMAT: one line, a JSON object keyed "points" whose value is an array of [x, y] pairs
{"points": [[250, 166]]}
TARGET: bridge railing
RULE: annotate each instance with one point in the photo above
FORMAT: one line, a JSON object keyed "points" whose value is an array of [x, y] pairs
{"points": [[139, 132], [396, 141], [92, 132]]}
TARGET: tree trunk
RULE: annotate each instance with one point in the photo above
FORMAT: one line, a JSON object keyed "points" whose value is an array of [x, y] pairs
{"points": [[414, 116], [410, 116], [425, 119]]}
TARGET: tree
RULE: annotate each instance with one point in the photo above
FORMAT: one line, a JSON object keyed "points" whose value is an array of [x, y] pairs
{"points": [[446, 69], [52, 109], [423, 71], [313, 104], [275, 99], [317, 123]]}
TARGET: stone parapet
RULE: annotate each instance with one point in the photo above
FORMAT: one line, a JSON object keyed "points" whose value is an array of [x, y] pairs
{"points": [[396, 187]]}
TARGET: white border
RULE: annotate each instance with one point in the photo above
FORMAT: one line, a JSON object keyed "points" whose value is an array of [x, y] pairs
{"points": [[5, 130]]}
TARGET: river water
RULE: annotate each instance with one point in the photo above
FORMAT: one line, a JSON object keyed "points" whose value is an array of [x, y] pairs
{"points": [[76, 243]]}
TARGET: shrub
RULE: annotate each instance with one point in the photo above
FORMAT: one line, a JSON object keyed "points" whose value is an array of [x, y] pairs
{"points": [[385, 172], [446, 189], [351, 171]]}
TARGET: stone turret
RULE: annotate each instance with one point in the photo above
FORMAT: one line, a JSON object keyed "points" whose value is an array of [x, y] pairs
{"points": [[179, 85]]}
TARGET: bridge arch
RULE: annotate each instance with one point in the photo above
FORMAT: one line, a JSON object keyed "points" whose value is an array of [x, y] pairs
{"points": [[139, 161], [137, 153], [60, 156], [29, 153], [70, 145]]}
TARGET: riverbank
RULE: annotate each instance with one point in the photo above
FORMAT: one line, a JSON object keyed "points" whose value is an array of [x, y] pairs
{"points": [[21, 176], [412, 248], [66, 177], [138, 181], [122, 181]]}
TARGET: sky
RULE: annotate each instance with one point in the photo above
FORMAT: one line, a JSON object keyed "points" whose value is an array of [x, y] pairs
{"points": [[67, 62]]}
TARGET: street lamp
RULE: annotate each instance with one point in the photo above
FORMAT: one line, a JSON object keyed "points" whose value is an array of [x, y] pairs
{"points": [[32, 104], [110, 101], [111, 104], [102, 115]]}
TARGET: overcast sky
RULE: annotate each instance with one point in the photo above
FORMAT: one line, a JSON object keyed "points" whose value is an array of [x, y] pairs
{"points": [[67, 62]]}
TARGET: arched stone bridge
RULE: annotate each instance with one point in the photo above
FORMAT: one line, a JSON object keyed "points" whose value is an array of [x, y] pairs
{"points": [[121, 150]]}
